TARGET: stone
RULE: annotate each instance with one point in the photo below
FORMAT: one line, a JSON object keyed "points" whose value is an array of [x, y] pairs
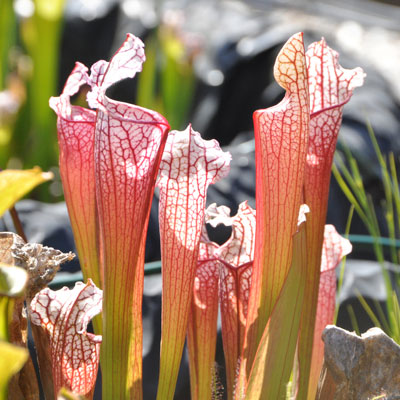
{"points": [[360, 368]]}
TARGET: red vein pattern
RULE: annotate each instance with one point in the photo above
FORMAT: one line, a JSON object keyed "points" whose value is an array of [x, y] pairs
{"points": [[129, 141], [125, 63], [75, 127], [335, 247], [330, 88], [189, 165], [281, 140], [236, 257], [109, 160], [65, 314], [202, 327]]}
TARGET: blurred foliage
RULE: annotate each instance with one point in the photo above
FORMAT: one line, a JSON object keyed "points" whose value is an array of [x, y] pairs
{"points": [[7, 102], [29, 50], [12, 360], [12, 284], [7, 37], [41, 37], [14, 184], [29, 68], [350, 181], [65, 394], [167, 81]]}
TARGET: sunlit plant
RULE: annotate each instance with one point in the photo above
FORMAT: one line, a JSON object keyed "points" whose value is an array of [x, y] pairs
{"points": [[265, 278]]}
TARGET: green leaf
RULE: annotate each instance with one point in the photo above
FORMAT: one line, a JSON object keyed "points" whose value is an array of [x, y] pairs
{"points": [[12, 280], [12, 360], [147, 80], [41, 34], [274, 358], [7, 38], [177, 82], [14, 184], [65, 394], [12, 284]]}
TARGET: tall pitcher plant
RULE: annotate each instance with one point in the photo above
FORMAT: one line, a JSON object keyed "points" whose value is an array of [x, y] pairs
{"points": [[265, 278]]}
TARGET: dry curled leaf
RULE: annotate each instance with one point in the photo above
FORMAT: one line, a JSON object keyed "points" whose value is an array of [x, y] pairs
{"points": [[40, 262]]}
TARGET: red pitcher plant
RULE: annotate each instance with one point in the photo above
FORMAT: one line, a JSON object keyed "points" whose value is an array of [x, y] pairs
{"points": [[273, 281]]}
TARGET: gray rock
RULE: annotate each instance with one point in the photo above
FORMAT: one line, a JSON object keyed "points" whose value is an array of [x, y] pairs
{"points": [[361, 368]]}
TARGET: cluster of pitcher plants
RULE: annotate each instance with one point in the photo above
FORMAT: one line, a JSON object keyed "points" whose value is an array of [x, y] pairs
{"points": [[273, 280]]}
